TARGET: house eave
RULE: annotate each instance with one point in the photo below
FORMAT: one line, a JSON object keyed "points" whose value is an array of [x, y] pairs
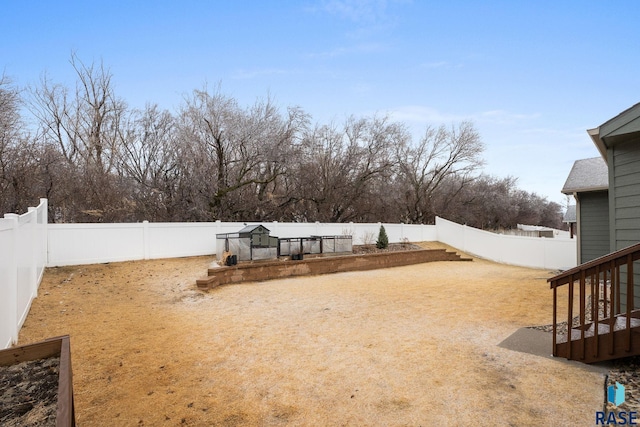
{"points": [[600, 145], [576, 191]]}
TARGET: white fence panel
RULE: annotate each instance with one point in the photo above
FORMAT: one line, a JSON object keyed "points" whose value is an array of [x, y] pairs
{"points": [[23, 255], [419, 233], [561, 253], [292, 229], [26, 246], [525, 251], [167, 240], [536, 252], [75, 244], [451, 233], [8, 282], [482, 242]]}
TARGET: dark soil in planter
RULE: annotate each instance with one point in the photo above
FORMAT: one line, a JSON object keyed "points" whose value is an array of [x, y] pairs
{"points": [[28, 393], [393, 247]]}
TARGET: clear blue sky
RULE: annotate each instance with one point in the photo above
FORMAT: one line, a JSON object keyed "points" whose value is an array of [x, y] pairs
{"points": [[531, 75]]}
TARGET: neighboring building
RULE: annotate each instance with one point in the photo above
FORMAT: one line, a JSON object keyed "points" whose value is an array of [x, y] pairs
{"points": [[588, 183], [571, 219], [536, 231]]}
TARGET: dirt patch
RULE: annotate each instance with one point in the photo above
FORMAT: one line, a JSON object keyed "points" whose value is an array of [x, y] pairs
{"points": [[28, 393], [414, 345]]}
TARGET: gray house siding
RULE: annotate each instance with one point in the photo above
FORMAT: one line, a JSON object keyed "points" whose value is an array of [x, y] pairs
{"points": [[594, 217], [625, 189], [624, 205]]}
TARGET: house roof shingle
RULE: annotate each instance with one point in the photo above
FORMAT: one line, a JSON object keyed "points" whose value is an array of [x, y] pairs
{"points": [[570, 215], [587, 175]]}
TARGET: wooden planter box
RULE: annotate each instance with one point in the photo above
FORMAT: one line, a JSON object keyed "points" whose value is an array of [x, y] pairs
{"points": [[52, 347]]}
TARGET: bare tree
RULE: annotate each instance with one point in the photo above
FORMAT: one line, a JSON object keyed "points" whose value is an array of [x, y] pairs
{"points": [[9, 136], [487, 203], [149, 163], [339, 170], [441, 154], [98, 161], [240, 154], [85, 127], [496, 203], [9, 114], [18, 153]]}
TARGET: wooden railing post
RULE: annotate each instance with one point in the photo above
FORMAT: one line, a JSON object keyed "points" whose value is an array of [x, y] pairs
{"points": [[595, 308], [594, 285], [605, 292], [615, 299], [570, 319], [629, 298], [555, 319], [618, 306], [582, 310]]}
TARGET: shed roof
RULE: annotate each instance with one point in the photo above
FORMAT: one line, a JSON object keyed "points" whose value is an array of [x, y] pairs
{"points": [[587, 175], [250, 228]]}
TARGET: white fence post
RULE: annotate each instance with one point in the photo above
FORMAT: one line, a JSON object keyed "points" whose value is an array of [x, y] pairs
{"points": [[43, 222], [32, 240], [8, 281], [145, 239]]}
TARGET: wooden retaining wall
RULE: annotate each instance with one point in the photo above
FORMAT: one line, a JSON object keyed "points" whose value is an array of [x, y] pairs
{"points": [[267, 270]]}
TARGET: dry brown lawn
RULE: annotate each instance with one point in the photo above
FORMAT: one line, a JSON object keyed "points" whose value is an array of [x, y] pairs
{"points": [[411, 345]]}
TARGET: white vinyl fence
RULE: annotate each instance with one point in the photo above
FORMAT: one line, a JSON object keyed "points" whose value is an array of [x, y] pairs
{"points": [[536, 252], [28, 244], [23, 256], [75, 244]]}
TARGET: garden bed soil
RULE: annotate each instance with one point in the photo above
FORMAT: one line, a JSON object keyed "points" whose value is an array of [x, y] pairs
{"points": [[29, 393], [393, 247], [413, 345]]}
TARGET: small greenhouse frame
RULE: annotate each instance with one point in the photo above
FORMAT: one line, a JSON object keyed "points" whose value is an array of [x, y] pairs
{"points": [[254, 242]]}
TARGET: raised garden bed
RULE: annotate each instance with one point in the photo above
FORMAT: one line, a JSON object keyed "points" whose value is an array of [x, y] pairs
{"points": [[267, 270], [36, 387]]}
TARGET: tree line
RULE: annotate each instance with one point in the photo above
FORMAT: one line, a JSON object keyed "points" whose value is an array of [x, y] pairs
{"points": [[98, 160]]}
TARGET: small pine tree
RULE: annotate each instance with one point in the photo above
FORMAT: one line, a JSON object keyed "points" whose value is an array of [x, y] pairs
{"points": [[383, 239]]}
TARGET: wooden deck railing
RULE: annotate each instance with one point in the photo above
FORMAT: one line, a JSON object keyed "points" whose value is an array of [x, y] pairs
{"points": [[605, 326]]}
